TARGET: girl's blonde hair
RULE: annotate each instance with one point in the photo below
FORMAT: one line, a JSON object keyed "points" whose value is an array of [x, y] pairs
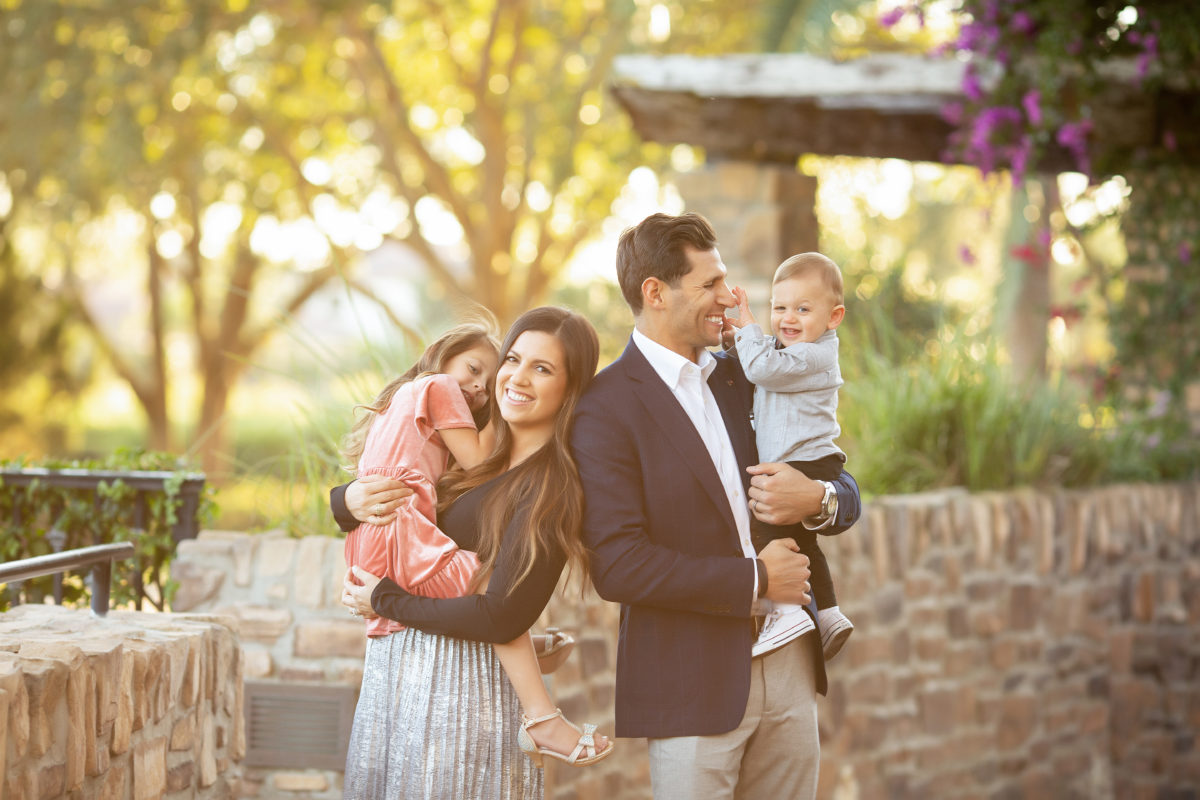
{"points": [[433, 361], [545, 487]]}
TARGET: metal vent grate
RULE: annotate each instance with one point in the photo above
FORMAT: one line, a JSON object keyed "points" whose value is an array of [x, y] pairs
{"points": [[298, 724]]}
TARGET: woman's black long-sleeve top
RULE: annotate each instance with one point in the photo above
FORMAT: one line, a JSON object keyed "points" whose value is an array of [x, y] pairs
{"points": [[497, 615]]}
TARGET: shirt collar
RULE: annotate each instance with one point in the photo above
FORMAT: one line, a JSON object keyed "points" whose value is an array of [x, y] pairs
{"points": [[669, 365]]}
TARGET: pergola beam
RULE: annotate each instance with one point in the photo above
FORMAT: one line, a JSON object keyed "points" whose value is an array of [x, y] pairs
{"points": [[777, 107]]}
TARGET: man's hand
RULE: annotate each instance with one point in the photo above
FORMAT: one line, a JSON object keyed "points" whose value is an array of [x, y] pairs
{"points": [[782, 495], [357, 587], [373, 498], [787, 572]]}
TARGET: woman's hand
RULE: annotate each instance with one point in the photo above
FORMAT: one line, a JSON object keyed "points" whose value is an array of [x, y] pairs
{"points": [[373, 499], [357, 587]]}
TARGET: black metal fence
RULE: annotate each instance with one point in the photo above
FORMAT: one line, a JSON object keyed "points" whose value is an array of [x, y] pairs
{"points": [[48, 511]]}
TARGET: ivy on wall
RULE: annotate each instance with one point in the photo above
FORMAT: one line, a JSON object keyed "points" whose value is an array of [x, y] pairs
{"points": [[110, 513]]}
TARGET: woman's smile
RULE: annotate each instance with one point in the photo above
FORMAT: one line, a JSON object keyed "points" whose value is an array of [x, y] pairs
{"points": [[532, 381]]}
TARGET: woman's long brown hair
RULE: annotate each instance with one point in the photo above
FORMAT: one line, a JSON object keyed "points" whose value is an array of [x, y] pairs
{"points": [[458, 339], [545, 487]]}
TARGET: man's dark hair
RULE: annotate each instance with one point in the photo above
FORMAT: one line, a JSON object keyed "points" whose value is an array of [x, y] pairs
{"points": [[654, 248]]}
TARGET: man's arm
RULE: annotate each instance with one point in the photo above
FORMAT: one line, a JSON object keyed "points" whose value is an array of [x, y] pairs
{"points": [[782, 495], [849, 504]]}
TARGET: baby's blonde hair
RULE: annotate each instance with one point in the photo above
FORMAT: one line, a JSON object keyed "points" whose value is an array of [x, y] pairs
{"points": [[806, 263], [433, 361]]}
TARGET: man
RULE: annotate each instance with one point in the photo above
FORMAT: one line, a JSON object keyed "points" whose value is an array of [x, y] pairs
{"points": [[663, 440]]}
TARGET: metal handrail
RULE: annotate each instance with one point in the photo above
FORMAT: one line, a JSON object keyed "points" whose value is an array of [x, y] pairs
{"points": [[139, 480], [88, 478], [98, 557]]}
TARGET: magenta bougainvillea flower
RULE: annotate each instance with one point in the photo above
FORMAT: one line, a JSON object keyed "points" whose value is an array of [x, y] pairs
{"points": [[888, 19], [1031, 102]]}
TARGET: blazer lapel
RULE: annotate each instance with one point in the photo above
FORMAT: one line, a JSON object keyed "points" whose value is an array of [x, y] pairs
{"points": [[677, 428]]}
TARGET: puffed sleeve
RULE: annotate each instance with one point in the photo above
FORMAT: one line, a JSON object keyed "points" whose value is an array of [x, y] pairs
{"points": [[439, 404]]}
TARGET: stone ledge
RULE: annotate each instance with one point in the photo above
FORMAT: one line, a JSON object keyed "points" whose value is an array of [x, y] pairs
{"points": [[118, 707]]}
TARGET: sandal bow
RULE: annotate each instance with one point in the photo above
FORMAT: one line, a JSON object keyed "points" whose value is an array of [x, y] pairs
{"points": [[585, 746]]}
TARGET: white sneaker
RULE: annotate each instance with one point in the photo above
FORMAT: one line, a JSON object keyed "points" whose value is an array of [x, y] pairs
{"points": [[785, 623], [835, 630]]}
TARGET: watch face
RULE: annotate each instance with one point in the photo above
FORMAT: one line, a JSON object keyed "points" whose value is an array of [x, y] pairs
{"points": [[829, 501]]}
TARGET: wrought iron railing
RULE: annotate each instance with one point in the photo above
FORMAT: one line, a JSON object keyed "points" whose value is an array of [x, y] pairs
{"points": [[75, 508], [99, 558]]}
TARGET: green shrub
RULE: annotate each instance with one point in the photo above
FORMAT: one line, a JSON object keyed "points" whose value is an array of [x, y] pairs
{"points": [[959, 418]]}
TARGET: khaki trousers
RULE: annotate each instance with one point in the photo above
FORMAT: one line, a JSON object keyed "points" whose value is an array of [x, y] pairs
{"points": [[772, 755]]}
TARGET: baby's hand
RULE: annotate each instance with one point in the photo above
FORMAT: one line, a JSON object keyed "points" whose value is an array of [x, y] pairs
{"points": [[727, 334], [744, 317]]}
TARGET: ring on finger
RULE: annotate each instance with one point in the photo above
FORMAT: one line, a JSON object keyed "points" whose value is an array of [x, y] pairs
{"points": [[377, 509]]}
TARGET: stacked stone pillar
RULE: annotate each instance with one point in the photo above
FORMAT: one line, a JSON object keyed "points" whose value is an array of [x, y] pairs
{"points": [[132, 707], [762, 213]]}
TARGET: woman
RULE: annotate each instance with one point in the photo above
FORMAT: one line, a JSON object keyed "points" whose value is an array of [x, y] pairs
{"points": [[436, 717]]}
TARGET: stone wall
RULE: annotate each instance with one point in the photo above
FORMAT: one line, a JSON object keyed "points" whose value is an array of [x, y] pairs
{"points": [[285, 593], [1023, 644], [131, 707]]}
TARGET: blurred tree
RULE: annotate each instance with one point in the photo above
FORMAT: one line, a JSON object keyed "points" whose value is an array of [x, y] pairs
{"points": [[239, 158], [1108, 87], [37, 363], [91, 131], [792, 26], [487, 122]]}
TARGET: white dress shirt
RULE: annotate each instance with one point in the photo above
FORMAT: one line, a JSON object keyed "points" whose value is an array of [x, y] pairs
{"points": [[688, 382]]}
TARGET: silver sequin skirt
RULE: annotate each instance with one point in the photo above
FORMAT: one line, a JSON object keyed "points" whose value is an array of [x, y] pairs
{"points": [[436, 718]]}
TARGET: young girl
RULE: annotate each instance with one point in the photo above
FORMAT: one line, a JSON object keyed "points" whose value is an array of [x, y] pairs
{"points": [[420, 419]]}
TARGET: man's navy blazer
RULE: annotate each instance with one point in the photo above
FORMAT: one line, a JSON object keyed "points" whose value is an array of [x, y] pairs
{"points": [[664, 544]]}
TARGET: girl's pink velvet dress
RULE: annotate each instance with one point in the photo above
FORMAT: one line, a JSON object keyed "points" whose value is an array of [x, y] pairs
{"points": [[403, 443]]}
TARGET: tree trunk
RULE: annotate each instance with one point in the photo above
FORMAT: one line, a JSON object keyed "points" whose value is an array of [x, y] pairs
{"points": [[1024, 302], [156, 405], [212, 430]]}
